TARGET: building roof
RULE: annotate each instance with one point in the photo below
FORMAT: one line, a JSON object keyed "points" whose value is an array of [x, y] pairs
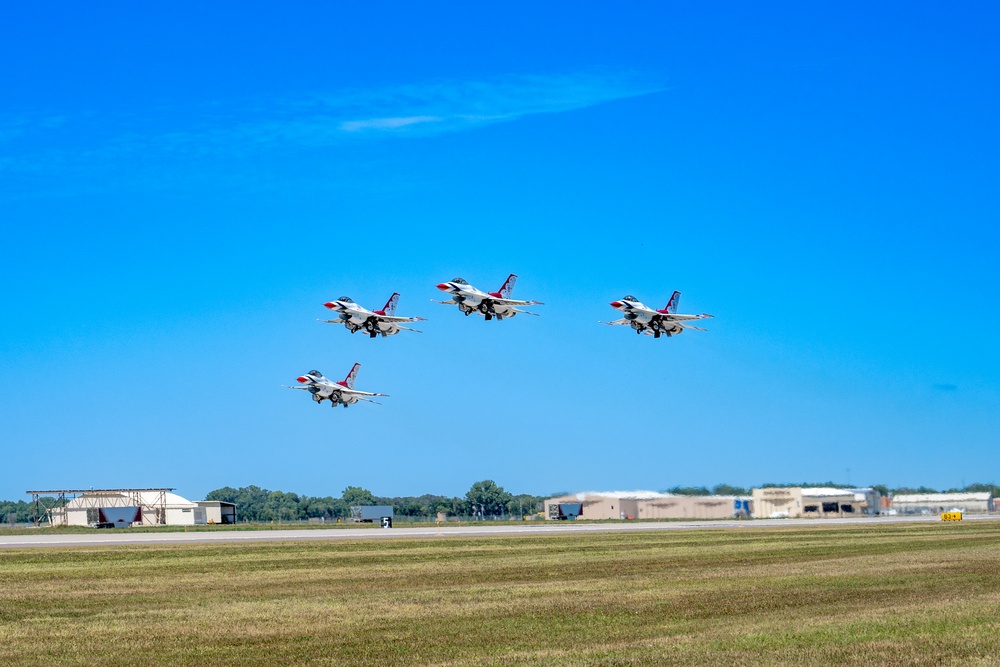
{"points": [[632, 495], [146, 497], [982, 496], [818, 491]]}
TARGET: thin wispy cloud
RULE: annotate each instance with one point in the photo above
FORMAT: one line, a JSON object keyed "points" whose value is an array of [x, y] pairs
{"points": [[59, 143], [386, 123]]}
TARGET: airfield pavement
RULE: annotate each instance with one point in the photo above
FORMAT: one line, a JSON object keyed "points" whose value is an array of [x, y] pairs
{"points": [[124, 537]]}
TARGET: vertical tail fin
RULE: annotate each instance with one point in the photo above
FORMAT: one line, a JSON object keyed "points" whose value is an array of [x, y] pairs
{"points": [[508, 287], [390, 306], [675, 298], [349, 380]]}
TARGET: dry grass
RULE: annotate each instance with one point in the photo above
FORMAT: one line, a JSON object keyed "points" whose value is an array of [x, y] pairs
{"points": [[879, 595]]}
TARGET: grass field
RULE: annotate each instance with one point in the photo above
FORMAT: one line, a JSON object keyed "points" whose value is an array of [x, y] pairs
{"points": [[925, 594]]}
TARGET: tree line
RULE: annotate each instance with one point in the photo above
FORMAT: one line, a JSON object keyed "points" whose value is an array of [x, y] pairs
{"points": [[23, 511], [484, 499]]}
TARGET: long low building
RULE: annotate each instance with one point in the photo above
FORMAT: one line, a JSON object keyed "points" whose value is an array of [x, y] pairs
{"points": [[935, 503], [644, 505]]}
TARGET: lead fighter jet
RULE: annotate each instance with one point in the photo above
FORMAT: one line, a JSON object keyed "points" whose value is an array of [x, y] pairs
{"points": [[644, 319], [375, 322], [338, 393], [493, 304]]}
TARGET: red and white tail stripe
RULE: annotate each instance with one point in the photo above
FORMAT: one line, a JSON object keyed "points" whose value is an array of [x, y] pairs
{"points": [[675, 298], [390, 306], [507, 288], [349, 380]]}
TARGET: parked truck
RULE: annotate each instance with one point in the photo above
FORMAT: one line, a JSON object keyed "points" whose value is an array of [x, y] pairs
{"points": [[370, 513]]}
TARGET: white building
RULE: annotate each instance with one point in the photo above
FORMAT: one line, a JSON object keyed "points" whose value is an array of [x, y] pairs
{"points": [[135, 507], [936, 503]]}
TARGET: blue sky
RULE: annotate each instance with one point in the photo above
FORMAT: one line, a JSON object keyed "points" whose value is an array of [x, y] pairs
{"points": [[182, 187]]}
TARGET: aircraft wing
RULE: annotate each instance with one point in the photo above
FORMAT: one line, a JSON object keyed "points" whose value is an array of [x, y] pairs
{"points": [[357, 394], [368, 400], [515, 302], [671, 317], [395, 319]]}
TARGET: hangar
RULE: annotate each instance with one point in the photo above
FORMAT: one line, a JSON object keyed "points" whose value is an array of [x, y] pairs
{"points": [[643, 505], [935, 503], [819, 502], [132, 507]]}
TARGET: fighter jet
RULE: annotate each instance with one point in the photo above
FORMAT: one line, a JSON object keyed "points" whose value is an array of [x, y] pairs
{"points": [[644, 319], [338, 393], [494, 304], [355, 318]]}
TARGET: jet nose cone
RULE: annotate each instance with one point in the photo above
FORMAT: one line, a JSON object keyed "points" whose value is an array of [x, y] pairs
{"points": [[444, 287], [302, 378], [616, 304], [332, 305]]}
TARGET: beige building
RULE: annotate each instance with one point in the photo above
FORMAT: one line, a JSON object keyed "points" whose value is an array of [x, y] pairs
{"points": [[641, 505], [782, 502]]}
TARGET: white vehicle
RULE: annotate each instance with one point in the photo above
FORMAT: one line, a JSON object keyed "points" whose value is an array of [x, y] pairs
{"points": [[338, 393], [488, 304], [644, 319], [375, 322]]}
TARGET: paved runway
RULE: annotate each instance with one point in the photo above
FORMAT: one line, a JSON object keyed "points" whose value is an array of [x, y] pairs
{"points": [[114, 537]]}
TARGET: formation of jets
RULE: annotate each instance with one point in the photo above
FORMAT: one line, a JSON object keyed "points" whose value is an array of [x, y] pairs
{"points": [[469, 299]]}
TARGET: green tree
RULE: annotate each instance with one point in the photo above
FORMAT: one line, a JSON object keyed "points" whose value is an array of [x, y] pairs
{"points": [[355, 495], [488, 497], [907, 489], [689, 491], [729, 490], [882, 489], [524, 504]]}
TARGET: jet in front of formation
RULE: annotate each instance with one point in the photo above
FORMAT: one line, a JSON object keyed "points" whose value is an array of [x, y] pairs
{"points": [[644, 319], [375, 322], [488, 304], [338, 393]]}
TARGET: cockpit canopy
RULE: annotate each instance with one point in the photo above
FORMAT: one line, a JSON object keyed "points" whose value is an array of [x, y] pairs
{"points": [[346, 299], [315, 373], [459, 281], [631, 298]]}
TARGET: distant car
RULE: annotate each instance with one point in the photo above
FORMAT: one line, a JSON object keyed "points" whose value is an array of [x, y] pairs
{"points": [[956, 509], [779, 515]]}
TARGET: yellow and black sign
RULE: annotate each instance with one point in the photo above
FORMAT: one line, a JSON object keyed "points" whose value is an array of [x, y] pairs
{"points": [[951, 516]]}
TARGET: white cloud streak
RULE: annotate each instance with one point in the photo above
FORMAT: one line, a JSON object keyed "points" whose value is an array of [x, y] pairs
{"points": [[386, 123], [53, 144]]}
